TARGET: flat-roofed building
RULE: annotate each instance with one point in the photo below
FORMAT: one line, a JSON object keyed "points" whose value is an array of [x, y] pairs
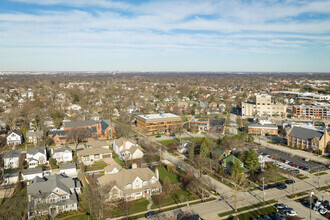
{"points": [[263, 106], [158, 123], [311, 111], [263, 127], [200, 125]]}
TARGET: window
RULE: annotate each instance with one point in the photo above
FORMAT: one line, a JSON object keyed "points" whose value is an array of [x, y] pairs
{"points": [[96, 156], [86, 158], [145, 183], [128, 186]]}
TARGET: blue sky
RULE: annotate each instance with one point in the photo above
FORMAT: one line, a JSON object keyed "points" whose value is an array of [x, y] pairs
{"points": [[219, 35]]}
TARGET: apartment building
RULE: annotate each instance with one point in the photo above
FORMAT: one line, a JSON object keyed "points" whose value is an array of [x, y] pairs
{"points": [[309, 139], [159, 123], [263, 106], [311, 111], [199, 125]]}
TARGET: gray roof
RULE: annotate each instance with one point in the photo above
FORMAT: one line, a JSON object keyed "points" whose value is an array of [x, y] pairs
{"points": [[62, 149], [34, 133], [80, 123], [42, 187], [13, 174], [12, 153], [305, 133], [64, 166], [35, 150], [32, 171], [258, 125]]}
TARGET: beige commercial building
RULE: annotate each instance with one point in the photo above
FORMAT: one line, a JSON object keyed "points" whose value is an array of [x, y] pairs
{"points": [[263, 106], [159, 123]]}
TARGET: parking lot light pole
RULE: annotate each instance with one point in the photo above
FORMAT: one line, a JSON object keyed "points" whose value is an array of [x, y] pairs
{"points": [[310, 205]]}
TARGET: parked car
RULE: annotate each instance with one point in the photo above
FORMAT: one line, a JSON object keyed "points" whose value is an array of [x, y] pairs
{"points": [[301, 167], [306, 169], [279, 216], [150, 214], [325, 203], [290, 213], [286, 161], [280, 206], [289, 181], [322, 211], [266, 217], [158, 136], [281, 186], [306, 159], [291, 163], [327, 215], [273, 217], [294, 165]]}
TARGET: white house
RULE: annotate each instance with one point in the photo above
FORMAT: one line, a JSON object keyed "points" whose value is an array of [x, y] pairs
{"points": [[10, 178], [126, 149], [62, 154], [68, 169], [36, 156], [31, 173], [14, 138], [11, 159], [184, 146]]}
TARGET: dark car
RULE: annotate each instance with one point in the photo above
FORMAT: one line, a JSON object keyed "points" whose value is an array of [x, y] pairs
{"points": [[150, 214], [281, 186], [289, 181], [271, 186], [158, 136], [279, 216], [290, 163], [306, 169], [325, 203], [172, 135]]}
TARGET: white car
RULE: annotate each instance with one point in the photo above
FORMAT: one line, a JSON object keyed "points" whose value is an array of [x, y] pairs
{"points": [[306, 159], [323, 211], [290, 213]]}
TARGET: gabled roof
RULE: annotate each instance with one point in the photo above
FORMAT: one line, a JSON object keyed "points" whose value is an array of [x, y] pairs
{"points": [[35, 150], [231, 159], [30, 171], [12, 153], [43, 187], [64, 166], [16, 132], [124, 177], [71, 124], [96, 143], [305, 133], [92, 151], [58, 132], [62, 149], [34, 133], [110, 167]]}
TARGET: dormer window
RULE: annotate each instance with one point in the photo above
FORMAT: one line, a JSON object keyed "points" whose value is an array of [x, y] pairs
{"points": [[128, 186], [145, 183]]}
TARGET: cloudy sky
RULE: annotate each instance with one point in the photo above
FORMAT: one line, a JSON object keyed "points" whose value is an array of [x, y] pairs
{"points": [[138, 35]]}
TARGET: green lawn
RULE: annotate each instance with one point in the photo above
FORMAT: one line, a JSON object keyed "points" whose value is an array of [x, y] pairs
{"points": [[82, 216], [174, 198], [247, 208], [133, 207], [164, 173], [320, 174], [169, 143], [257, 213], [118, 160], [97, 165]]}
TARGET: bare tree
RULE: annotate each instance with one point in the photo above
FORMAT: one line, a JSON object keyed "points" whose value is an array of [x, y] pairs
{"points": [[78, 134]]}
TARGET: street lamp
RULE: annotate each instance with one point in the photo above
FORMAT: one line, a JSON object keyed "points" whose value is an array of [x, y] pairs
{"points": [[310, 204]]}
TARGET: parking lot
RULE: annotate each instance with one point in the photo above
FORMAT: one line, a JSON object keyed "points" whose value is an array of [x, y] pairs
{"points": [[278, 155]]}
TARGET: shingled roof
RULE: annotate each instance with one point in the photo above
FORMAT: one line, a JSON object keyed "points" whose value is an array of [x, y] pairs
{"points": [[305, 133], [12, 153]]}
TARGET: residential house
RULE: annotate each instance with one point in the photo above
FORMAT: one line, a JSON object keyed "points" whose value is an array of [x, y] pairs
{"points": [[10, 178], [53, 194], [34, 136], [112, 168], [184, 146], [309, 139], [228, 162], [62, 154], [132, 184], [36, 156], [96, 143], [31, 173], [126, 149], [68, 169], [89, 155], [11, 159], [14, 138]]}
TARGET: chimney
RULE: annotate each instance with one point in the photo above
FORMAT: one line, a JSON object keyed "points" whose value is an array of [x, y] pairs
{"points": [[157, 173], [124, 145], [134, 165]]}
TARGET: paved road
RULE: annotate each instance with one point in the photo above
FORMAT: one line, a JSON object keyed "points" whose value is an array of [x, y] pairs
{"points": [[233, 124]]}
